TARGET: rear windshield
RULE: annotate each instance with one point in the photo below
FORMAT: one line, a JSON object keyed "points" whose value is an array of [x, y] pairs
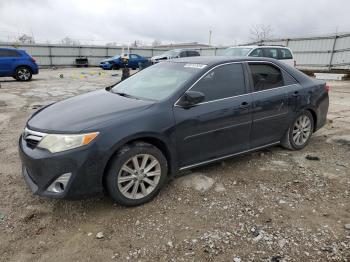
{"points": [[237, 51], [158, 81]]}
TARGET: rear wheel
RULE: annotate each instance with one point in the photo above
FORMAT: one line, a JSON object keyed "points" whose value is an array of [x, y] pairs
{"points": [[23, 74], [137, 174], [300, 131]]}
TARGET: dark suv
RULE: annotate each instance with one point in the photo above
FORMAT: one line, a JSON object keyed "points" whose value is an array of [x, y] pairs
{"points": [[129, 138], [17, 64]]}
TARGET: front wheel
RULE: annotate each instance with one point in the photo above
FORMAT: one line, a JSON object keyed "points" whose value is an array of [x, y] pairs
{"points": [[136, 174], [299, 132], [23, 74]]}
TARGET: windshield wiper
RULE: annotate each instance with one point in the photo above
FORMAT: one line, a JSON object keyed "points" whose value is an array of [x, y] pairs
{"points": [[126, 95]]}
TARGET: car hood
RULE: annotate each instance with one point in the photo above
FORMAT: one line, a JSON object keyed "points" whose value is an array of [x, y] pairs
{"points": [[84, 111]]}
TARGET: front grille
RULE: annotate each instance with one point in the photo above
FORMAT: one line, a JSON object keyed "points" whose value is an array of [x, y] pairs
{"points": [[32, 138]]}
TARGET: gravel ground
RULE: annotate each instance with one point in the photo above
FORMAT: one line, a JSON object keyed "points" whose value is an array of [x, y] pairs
{"points": [[271, 205]]}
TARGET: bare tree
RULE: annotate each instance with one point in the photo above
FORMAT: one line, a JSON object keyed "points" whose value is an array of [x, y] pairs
{"points": [[156, 43], [69, 41], [261, 32], [111, 44], [136, 43], [26, 39]]}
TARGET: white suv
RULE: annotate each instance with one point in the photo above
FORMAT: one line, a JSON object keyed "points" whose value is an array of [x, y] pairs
{"points": [[277, 52]]}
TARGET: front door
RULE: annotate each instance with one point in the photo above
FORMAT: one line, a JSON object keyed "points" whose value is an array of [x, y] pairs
{"points": [[220, 125]]}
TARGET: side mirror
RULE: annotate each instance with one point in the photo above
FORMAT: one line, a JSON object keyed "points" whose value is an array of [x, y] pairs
{"points": [[191, 98]]}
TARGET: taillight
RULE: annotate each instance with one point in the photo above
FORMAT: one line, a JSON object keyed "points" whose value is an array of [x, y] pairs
{"points": [[327, 87], [295, 63], [32, 59]]}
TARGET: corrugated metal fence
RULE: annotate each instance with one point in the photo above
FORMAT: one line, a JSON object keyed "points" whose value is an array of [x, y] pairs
{"points": [[318, 53], [313, 53]]}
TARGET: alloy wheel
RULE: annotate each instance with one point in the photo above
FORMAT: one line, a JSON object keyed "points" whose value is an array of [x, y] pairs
{"points": [[139, 176], [23, 74], [301, 130]]}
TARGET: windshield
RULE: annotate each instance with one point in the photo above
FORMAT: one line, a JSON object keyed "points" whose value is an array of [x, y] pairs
{"points": [[116, 57], [158, 81], [237, 51]]}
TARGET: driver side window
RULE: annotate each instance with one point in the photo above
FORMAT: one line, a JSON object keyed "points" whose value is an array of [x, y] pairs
{"points": [[222, 82]]}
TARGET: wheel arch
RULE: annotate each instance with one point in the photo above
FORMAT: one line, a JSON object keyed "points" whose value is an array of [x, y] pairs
{"points": [[314, 116], [19, 66], [154, 140]]}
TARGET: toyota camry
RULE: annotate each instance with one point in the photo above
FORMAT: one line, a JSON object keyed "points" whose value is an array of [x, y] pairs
{"points": [[127, 139]]}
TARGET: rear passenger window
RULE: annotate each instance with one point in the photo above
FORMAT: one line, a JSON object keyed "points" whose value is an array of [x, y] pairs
{"points": [[266, 76], [271, 52], [257, 53], [222, 82], [9, 53], [288, 80], [183, 54], [192, 53], [285, 54]]}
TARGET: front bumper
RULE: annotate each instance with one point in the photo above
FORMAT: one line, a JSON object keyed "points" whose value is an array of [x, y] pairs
{"points": [[41, 168]]}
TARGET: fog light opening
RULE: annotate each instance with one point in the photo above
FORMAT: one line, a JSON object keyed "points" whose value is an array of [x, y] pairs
{"points": [[60, 184]]}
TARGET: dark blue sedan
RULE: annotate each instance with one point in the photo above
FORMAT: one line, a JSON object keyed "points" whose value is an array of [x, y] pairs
{"points": [[115, 62], [128, 139]]}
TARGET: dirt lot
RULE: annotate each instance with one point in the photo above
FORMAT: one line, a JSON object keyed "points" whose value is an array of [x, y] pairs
{"points": [[271, 205]]}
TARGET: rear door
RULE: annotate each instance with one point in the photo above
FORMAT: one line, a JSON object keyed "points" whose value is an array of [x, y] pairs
{"points": [[220, 125], [7, 61], [270, 105], [133, 61]]}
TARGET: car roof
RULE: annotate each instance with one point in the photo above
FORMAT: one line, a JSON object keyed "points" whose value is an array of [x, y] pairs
{"points": [[260, 46], [213, 60], [182, 49], [11, 48]]}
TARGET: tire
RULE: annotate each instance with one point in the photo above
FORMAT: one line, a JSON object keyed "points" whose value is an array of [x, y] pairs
{"points": [[129, 187], [303, 124], [23, 73], [134, 68], [115, 67]]}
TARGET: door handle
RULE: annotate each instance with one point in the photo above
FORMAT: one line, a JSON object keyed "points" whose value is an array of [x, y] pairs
{"points": [[244, 105]]}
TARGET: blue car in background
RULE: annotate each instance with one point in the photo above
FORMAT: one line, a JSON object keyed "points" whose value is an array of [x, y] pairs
{"points": [[17, 64], [115, 62]]}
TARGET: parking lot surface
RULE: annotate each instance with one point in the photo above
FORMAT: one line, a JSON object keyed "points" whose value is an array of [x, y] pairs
{"points": [[271, 205]]}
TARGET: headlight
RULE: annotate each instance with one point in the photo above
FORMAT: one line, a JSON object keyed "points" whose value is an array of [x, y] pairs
{"points": [[58, 143]]}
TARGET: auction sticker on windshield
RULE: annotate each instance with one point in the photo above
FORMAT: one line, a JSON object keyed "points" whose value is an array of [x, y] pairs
{"points": [[199, 66]]}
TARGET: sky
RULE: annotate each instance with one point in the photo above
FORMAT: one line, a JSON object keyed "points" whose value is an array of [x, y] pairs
{"points": [[123, 21]]}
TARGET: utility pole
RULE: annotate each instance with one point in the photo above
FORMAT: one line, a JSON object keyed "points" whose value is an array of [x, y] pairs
{"points": [[210, 37]]}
